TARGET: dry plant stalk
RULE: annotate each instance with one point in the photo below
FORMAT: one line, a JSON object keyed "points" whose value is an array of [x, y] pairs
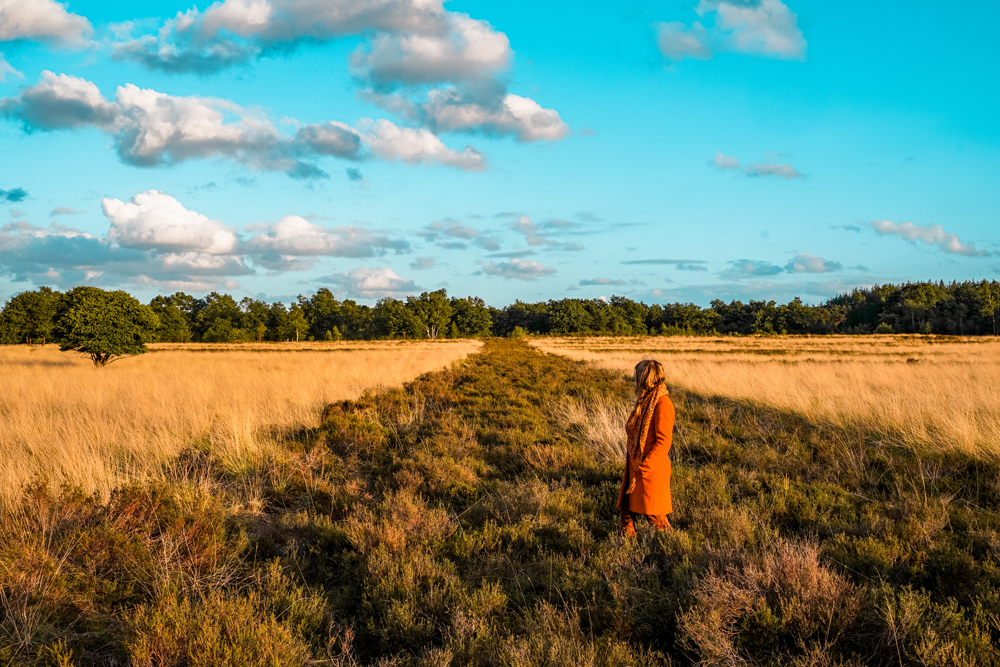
{"points": [[922, 391], [64, 420]]}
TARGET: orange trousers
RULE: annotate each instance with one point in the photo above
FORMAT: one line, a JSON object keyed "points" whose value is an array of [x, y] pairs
{"points": [[628, 518]]}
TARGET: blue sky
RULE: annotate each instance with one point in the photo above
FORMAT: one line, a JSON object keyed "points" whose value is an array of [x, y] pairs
{"points": [[665, 151]]}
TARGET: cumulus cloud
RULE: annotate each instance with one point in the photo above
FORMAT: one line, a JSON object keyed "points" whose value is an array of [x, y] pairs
{"points": [[806, 263], [13, 195], [755, 27], [750, 268], [391, 142], [231, 32], [66, 210], [771, 169], [763, 27], [469, 49], [678, 41], [42, 21], [723, 161], [156, 221], [8, 70], [517, 269], [602, 281], [929, 234], [370, 283], [489, 111], [150, 128], [154, 240], [63, 256], [293, 237]]}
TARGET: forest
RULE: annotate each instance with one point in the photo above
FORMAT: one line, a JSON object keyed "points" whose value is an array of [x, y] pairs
{"points": [[966, 308]]}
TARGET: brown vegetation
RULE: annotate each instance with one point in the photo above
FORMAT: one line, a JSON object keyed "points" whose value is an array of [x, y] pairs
{"points": [[64, 420], [924, 391]]}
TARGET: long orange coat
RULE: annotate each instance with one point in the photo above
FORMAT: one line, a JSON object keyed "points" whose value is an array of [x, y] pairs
{"points": [[651, 494]]}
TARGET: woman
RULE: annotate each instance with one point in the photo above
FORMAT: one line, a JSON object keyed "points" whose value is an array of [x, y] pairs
{"points": [[646, 486]]}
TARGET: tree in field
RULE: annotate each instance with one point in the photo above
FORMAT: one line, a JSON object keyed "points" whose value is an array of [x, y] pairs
{"points": [[432, 310], [106, 326], [27, 318]]}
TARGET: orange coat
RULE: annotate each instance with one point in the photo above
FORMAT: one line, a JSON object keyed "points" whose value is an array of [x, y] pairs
{"points": [[651, 494]]}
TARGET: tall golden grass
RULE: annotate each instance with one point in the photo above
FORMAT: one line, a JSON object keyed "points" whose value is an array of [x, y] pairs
{"points": [[64, 420], [919, 391]]}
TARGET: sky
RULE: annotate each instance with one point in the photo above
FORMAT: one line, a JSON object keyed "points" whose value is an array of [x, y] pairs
{"points": [[685, 150]]}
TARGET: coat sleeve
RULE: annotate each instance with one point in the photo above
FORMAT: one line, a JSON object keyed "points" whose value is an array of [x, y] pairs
{"points": [[661, 429]]}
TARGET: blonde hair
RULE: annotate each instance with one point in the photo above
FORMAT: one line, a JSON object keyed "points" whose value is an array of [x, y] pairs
{"points": [[648, 375]]}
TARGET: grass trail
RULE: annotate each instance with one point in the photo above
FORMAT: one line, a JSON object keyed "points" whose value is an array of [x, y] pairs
{"points": [[461, 520]]}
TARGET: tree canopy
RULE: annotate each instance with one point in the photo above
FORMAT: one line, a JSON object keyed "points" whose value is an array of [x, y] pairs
{"points": [[104, 325]]}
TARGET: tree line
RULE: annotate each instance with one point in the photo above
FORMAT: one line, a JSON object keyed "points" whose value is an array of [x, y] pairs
{"points": [[40, 316]]}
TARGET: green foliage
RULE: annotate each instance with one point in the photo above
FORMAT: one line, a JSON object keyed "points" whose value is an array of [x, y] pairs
{"points": [[884, 328], [106, 326], [28, 317], [432, 310]]}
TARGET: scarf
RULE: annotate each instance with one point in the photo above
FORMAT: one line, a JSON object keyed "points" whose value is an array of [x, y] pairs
{"points": [[637, 427]]}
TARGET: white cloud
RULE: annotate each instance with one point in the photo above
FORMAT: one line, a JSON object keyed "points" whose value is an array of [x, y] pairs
{"points": [[526, 226], [469, 50], [521, 116], [492, 112], [786, 171], [63, 256], [930, 234], [723, 161], [42, 21], [7, 70], [232, 32], [293, 236], [766, 27], [756, 27], [421, 263], [65, 210], [391, 142], [152, 128], [517, 269], [156, 221], [678, 41], [371, 283], [806, 263]]}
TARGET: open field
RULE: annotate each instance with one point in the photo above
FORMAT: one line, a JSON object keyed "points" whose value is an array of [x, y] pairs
{"points": [[929, 392], [64, 419], [468, 518]]}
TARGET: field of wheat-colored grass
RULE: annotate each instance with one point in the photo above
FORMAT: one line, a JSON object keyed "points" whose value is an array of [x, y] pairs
{"points": [[68, 421], [923, 391]]}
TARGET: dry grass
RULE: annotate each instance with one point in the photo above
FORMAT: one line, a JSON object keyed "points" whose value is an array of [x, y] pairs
{"points": [[65, 420], [923, 391]]}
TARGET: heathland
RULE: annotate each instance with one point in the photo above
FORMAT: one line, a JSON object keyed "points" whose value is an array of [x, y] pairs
{"points": [[468, 518]]}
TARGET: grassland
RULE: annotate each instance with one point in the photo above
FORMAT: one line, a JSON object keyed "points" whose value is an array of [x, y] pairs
{"points": [[468, 518], [64, 420], [936, 393]]}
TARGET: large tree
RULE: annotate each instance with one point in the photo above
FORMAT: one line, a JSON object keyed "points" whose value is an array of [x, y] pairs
{"points": [[106, 326], [432, 310]]}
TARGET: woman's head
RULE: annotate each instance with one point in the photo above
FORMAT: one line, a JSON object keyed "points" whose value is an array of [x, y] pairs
{"points": [[648, 374]]}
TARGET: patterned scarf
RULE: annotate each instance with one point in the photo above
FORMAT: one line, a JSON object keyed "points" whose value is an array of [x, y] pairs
{"points": [[637, 427]]}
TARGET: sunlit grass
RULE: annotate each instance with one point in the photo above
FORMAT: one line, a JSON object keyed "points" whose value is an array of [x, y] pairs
{"points": [[65, 420], [934, 392]]}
